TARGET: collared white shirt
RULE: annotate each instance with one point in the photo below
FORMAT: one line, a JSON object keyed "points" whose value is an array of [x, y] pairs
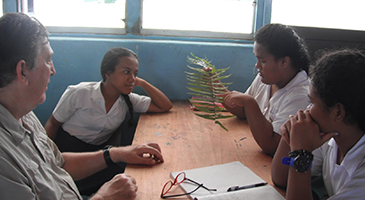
{"points": [[344, 181], [286, 101], [82, 110]]}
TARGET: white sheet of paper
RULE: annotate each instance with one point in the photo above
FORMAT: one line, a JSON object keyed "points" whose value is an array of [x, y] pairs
{"points": [[221, 177]]}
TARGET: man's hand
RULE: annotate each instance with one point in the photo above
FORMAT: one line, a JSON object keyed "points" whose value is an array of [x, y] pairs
{"points": [[147, 154], [121, 187]]}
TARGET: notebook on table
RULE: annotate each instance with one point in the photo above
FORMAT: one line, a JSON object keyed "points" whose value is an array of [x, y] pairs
{"points": [[224, 176]]}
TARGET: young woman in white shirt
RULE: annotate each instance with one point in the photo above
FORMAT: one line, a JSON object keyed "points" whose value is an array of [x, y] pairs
{"points": [[88, 113], [280, 88], [327, 139]]}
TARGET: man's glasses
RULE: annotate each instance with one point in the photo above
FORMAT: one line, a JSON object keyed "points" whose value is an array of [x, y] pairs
{"points": [[181, 177]]}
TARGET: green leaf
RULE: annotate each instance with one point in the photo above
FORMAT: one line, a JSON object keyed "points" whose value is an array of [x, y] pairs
{"points": [[210, 117], [203, 83], [224, 116], [201, 99], [220, 124], [204, 90], [220, 78], [206, 109], [200, 91], [199, 95], [199, 85], [203, 103], [205, 86]]}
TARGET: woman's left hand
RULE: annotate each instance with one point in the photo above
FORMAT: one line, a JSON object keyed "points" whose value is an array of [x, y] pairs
{"points": [[138, 82], [301, 132]]}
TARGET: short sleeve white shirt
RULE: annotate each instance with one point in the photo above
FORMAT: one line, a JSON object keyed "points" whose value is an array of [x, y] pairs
{"points": [[286, 101], [82, 111], [344, 181]]}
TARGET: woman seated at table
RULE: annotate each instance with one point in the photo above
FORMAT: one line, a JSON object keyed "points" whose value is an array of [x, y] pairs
{"points": [[88, 114], [280, 89], [328, 137]]}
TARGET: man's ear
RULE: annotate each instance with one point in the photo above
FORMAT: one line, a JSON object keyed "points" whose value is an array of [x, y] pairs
{"points": [[21, 68], [339, 112]]}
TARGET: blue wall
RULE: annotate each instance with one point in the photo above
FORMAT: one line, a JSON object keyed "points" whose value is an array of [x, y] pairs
{"points": [[162, 59], [162, 63]]}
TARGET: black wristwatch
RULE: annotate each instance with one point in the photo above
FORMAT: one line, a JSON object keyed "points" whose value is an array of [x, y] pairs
{"points": [[301, 160], [106, 155]]}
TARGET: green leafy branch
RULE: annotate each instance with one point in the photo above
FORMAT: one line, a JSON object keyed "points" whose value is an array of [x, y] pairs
{"points": [[206, 85]]}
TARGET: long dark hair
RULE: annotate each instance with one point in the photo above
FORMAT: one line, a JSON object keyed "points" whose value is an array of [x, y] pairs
{"points": [[281, 41], [110, 60]]}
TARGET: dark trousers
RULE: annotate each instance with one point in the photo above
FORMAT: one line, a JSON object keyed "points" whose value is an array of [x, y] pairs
{"points": [[122, 137]]}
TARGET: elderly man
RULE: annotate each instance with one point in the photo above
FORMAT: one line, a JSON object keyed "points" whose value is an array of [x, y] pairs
{"points": [[31, 165]]}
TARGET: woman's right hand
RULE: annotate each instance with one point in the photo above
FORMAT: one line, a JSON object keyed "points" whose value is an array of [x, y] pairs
{"points": [[301, 132]]}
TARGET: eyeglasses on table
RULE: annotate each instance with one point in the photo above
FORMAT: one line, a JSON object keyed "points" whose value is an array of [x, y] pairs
{"points": [[181, 177]]}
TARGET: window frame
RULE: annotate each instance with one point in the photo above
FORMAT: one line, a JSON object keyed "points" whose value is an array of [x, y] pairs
{"points": [[196, 34], [23, 5], [86, 30], [133, 23], [324, 14], [202, 34]]}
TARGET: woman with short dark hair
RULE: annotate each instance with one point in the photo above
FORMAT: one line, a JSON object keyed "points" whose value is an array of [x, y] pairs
{"points": [[327, 140]]}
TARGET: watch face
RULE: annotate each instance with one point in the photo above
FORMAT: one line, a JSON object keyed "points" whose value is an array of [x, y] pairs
{"points": [[302, 163]]}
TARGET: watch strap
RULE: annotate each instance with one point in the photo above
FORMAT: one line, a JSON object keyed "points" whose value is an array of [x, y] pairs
{"points": [[288, 161], [301, 160], [301, 152], [106, 155], [299, 168]]}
